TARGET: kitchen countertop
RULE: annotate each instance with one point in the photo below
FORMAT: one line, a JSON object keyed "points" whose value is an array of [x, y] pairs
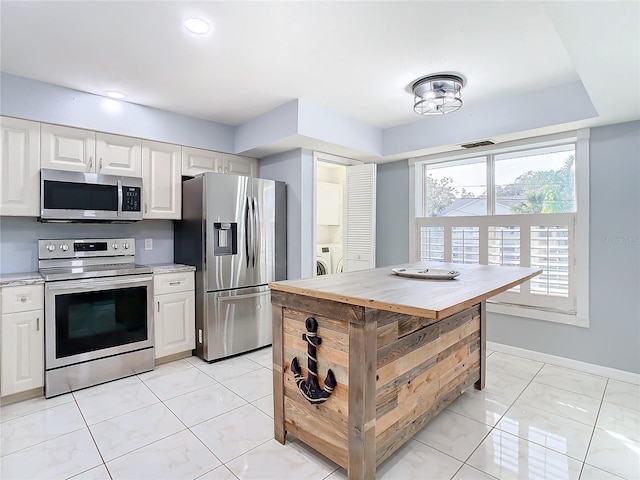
{"points": [[379, 288], [34, 278], [171, 268], [20, 279]]}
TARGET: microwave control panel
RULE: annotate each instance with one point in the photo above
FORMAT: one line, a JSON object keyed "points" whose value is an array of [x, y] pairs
{"points": [[131, 199]]}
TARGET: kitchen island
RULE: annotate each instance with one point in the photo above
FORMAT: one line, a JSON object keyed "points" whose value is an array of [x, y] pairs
{"points": [[399, 350]]}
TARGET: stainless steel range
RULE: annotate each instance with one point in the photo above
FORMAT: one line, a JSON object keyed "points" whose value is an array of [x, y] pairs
{"points": [[98, 312]]}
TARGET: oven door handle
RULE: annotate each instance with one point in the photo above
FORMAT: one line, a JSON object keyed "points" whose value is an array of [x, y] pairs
{"points": [[91, 284]]}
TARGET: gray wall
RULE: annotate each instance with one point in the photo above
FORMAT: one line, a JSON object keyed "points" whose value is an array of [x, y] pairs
{"points": [[19, 239], [295, 168], [42, 102], [392, 214], [613, 338]]}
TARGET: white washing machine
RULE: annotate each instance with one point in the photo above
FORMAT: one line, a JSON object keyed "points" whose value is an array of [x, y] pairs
{"points": [[336, 257], [324, 264]]}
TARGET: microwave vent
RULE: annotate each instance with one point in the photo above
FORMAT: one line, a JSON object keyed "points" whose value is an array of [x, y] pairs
{"points": [[481, 143]]}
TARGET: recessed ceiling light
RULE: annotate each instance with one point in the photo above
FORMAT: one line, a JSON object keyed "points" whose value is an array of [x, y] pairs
{"points": [[116, 95], [197, 25]]}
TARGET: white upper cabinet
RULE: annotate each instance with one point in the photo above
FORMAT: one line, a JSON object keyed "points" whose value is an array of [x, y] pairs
{"points": [[196, 161], [238, 165], [118, 155], [78, 150], [66, 148], [162, 182], [329, 200], [19, 167]]}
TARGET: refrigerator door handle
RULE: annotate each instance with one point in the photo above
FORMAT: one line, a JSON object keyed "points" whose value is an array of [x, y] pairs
{"points": [[256, 238], [247, 231]]}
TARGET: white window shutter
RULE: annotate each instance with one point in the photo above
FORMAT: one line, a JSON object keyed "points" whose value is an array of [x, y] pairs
{"points": [[360, 248]]}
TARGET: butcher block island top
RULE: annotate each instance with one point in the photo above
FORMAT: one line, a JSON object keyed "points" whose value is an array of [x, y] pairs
{"points": [[363, 360]]}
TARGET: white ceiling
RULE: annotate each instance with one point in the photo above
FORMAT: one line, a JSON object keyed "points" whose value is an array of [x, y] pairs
{"points": [[356, 59]]}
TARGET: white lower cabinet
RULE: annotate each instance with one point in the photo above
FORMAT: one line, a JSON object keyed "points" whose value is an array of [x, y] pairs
{"points": [[22, 339], [174, 313]]}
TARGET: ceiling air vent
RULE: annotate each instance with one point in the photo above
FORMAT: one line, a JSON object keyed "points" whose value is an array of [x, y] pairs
{"points": [[482, 143]]}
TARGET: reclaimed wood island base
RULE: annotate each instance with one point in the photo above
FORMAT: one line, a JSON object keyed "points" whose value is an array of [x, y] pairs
{"points": [[401, 350]]}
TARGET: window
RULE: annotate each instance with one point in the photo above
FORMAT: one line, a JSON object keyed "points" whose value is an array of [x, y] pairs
{"points": [[515, 205]]}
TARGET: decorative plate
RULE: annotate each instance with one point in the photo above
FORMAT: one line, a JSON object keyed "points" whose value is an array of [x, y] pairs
{"points": [[432, 273]]}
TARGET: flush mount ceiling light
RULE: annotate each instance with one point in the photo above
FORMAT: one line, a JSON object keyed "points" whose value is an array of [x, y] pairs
{"points": [[197, 25], [116, 95], [437, 94]]}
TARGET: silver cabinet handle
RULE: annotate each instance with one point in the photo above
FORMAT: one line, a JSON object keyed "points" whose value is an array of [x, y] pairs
{"points": [[37, 324], [100, 164], [158, 307], [175, 283], [90, 164], [145, 208], [23, 299]]}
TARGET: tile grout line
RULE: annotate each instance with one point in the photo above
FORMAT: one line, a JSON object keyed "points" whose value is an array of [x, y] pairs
{"points": [[495, 426], [92, 438], [593, 432]]}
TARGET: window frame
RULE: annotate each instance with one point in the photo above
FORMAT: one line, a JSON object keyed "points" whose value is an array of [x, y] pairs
{"points": [[580, 257]]}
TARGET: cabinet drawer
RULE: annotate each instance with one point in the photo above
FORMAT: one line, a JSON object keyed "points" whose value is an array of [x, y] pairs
{"points": [[22, 298], [172, 282]]}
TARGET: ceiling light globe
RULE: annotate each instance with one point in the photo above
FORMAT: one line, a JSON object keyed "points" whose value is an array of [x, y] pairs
{"points": [[116, 95], [197, 26]]}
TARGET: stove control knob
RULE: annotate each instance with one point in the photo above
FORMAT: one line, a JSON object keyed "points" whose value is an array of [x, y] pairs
{"points": [[115, 246], [125, 245], [64, 247], [50, 248]]}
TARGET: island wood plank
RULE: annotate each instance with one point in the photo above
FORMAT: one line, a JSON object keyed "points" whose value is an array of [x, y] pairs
{"points": [[401, 349], [381, 289]]}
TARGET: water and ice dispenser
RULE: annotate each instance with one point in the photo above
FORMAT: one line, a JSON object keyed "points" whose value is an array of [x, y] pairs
{"points": [[225, 238]]}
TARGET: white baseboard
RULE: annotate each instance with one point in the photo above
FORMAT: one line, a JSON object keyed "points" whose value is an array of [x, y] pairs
{"points": [[614, 373]]}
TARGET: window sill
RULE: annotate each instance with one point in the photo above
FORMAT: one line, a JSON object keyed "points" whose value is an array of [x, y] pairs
{"points": [[538, 314]]}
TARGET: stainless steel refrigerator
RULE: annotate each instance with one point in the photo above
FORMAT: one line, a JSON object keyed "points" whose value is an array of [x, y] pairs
{"points": [[233, 230]]}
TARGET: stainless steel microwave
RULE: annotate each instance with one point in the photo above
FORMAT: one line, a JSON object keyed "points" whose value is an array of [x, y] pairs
{"points": [[89, 197]]}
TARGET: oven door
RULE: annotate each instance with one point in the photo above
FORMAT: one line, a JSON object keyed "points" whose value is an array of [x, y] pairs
{"points": [[94, 318]]}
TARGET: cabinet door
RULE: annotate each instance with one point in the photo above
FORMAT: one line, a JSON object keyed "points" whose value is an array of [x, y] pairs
{"points": [[66, 148], [118, 155], [196, 161], [174, 323], [19, 167], [329, 204], [237, 165], [22, 351], [162, 183], [360, 229]]}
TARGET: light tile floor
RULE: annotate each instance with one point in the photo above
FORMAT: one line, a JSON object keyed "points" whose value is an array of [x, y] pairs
{"points": [[189, 419]]}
